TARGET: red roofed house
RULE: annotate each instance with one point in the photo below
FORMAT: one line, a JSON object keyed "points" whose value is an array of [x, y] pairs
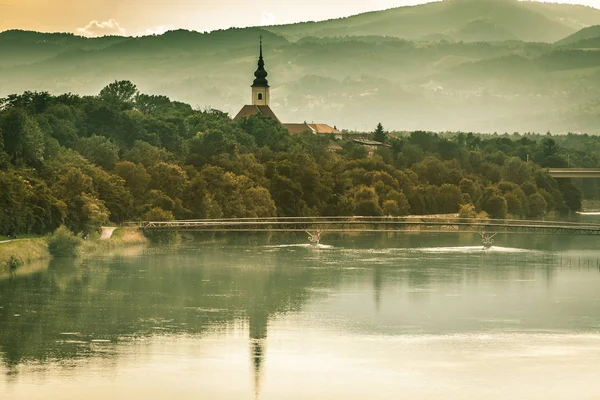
{"points": [[260, 105]]}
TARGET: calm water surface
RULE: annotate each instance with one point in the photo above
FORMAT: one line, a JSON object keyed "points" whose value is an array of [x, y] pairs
{"points": [[269, 317]]}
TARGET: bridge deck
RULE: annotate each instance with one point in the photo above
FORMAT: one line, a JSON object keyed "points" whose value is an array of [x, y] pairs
{"points": [[373, 224], [574, 172]]}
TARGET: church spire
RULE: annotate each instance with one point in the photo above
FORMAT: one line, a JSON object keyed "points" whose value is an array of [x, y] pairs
{"points": [[260, 74]]}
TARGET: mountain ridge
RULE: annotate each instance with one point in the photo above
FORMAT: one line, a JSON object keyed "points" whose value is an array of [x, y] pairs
{"points": [[475, 75]]}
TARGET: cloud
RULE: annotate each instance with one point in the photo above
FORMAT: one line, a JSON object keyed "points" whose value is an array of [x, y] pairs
{"points": [[267, 19], [104, 28]]}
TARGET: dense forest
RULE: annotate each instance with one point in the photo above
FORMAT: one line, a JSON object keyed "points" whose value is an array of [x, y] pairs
{"points": [[461, 65], [123, 155]]}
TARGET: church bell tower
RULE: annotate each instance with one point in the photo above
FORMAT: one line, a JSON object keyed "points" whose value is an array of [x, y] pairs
{"points": [[260, 87]]}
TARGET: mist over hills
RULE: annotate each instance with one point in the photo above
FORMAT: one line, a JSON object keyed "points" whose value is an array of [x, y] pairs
{"points": [[474, 65]]}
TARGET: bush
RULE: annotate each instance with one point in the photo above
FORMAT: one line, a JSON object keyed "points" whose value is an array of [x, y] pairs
{"points": [[467, 211], [63, 243], [14, 263], [158, 214]]}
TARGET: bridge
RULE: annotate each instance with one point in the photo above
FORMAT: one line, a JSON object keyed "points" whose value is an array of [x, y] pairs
{"points": [[373, 224], [574, 172]]}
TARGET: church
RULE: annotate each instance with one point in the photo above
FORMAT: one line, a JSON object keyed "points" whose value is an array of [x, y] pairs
{"points": [[261, 98]]}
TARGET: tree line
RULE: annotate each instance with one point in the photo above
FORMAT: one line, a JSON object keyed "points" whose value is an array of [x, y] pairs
{"points": [[84, 161]]}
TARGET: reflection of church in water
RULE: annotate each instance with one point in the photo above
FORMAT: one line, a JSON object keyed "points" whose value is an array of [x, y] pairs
{"points": [[261, 98], [260, 306], [257, 320]]}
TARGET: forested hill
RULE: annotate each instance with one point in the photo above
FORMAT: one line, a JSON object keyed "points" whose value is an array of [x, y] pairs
{"points": [[122, 155], [488, 66], [528, 21]]}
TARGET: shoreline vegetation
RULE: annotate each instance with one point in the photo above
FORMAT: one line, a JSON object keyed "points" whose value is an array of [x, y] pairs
{"points": [[18, 254]]}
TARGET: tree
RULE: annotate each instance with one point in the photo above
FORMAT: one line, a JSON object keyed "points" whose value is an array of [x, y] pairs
{"points": [[93, 213], [496, 206], [258, 203], [267, 132], [401, 202], [448, 199], [158, 214], [120, 94], [513, 204], [571, 195], [550, 148], [169, 178], [366, 202], [467, 211], [431, 170], [529, 188], [409, 155], [71, 187], [117, 198], [390, 207], [537, 205], [467, 186], [517, 171], [135, 175], [286, 194], [99, 150], [380, 135], [148, 155], [22, 137]]}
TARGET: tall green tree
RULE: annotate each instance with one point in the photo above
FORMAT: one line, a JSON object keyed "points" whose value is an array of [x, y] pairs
{"points": [[380, 135]]}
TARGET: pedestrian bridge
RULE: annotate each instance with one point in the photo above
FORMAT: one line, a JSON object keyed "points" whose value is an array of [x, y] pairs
{"points": [[574, 172], [373, 224]]}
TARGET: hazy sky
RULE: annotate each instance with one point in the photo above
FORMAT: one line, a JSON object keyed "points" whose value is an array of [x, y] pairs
{"points": [[135, 17]]}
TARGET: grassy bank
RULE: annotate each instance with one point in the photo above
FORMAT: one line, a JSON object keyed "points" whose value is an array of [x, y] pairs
{"points": [[25, 250], [122, 237]]}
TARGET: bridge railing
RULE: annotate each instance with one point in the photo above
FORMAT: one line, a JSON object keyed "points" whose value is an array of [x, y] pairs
{"points": [[360, 223], [366, 219]]}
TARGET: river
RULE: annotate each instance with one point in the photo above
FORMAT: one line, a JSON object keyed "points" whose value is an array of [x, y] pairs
{"points": [[370, 316]]}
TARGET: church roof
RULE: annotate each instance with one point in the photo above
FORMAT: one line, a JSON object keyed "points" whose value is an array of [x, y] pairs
{"points": [[248, 110], [260, 74]]}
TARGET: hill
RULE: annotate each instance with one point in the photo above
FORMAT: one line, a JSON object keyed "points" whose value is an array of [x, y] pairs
{"points": [[474, 72], [527, 21], [591, 32]]}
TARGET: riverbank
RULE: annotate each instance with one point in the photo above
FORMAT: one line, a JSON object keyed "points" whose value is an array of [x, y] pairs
{"points": [[120, 237], [25, 250], [30, 250]]}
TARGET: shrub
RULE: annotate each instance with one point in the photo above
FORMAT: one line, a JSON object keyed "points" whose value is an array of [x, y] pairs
{"points": [[63, 243], [467, 211], [14, 263], [158, 214]]}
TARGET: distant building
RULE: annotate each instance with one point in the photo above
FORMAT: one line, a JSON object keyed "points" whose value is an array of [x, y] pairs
{"points": [[261, 98], [295, 129], [371, 145]]}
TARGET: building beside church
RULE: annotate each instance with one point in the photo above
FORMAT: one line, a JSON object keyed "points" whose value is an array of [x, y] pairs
{"points": [[261, 98]]}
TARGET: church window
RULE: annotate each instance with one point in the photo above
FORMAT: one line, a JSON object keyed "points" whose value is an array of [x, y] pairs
{"points": [[260, 96]]}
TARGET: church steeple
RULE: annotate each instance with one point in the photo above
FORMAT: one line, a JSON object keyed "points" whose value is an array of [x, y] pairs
{"points": [[260, 86]]}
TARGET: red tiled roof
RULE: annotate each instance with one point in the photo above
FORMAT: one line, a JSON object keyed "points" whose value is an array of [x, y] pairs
{"points": [[295, 129], [323, 128], [249, 110]]}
